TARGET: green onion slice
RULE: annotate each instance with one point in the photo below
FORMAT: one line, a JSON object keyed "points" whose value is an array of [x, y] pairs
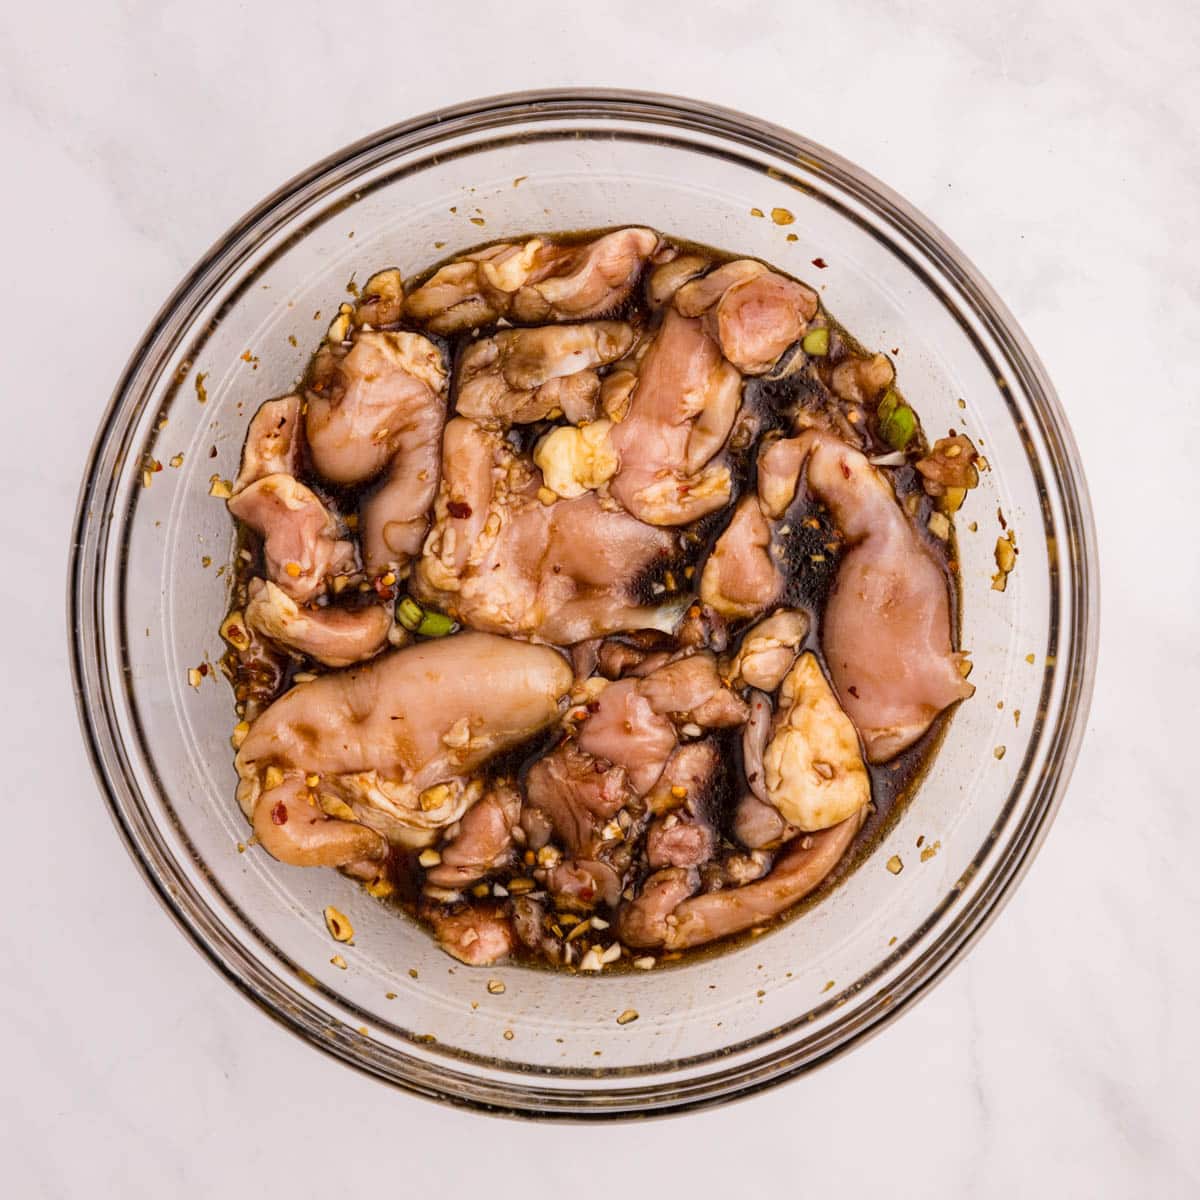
{"points": [[435, 625], [816, 342], [409, 613], [898, 427]]}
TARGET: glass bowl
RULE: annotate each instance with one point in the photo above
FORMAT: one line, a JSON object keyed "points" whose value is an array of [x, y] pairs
{"points": [[147, 595]]}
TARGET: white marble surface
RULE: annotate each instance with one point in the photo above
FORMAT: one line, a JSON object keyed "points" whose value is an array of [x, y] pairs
{"points": [[1057, 144]]}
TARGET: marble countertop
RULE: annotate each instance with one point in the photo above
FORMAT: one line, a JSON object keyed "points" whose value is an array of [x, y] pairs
{"points": [[1056, 144]]}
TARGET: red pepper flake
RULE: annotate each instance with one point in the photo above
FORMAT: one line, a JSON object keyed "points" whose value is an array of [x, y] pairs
{"points": [[819, 263], [458, 509], [845, 469], [212, 452], [203, 668], [853, 691], [279, 813]]}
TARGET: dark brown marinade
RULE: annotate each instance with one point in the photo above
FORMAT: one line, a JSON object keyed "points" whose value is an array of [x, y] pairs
{"points": [[812, 549]]}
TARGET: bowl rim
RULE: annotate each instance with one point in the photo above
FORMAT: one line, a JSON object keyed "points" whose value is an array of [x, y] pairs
{"points": [[1078, 568]]}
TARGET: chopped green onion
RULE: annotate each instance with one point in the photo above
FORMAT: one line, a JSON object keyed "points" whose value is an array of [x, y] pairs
{"points": [[434, 625], [898, 427], [816, 341], [409, 613], [887, 405]]}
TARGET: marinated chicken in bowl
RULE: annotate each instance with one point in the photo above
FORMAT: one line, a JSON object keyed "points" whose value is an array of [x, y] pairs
{"points": [[594, 599]]}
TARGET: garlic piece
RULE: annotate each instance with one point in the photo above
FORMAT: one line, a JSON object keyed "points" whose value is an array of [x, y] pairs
{"points": [[769, 649]]}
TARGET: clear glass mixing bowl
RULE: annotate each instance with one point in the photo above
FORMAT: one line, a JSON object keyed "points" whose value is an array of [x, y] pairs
{"points": [[146, 602]]}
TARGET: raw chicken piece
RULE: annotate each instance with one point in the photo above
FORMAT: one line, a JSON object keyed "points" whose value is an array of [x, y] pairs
{"points": [[758, 825], [384, 412], [593, 554], [700, 294], [626, 730], [291, 827], [522, 375], [381, 299], [768, 650], [677, 840], [392, 742], [529, 921], [734, 869], [337, 637], [680, 412], [385, 397], [586, 280], [272, 442], [667, 278], [585, 657], [629, 723], [702, 627], [500, 559], [800, 867], [886, 628], [949, 470], [302, 546], [617, 658], [755, 736], [475, 475], [477, 935], [689, 689], [814, 770], [456, 297], [755, 313], [861, 380], [779, 464], [740, 577], [484, 839], [642, 922], [571, 797], [533, 281], [584, 883], [687, 778]]}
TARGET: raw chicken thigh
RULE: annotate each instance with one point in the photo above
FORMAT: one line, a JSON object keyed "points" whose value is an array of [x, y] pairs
{"points": [[580, 591]]}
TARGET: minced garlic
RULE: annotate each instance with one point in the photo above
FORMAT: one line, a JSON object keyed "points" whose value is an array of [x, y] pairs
{"points": [[338, 925]]}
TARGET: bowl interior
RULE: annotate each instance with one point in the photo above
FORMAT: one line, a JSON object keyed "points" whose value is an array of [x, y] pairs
{"points": [[240, 332]]}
